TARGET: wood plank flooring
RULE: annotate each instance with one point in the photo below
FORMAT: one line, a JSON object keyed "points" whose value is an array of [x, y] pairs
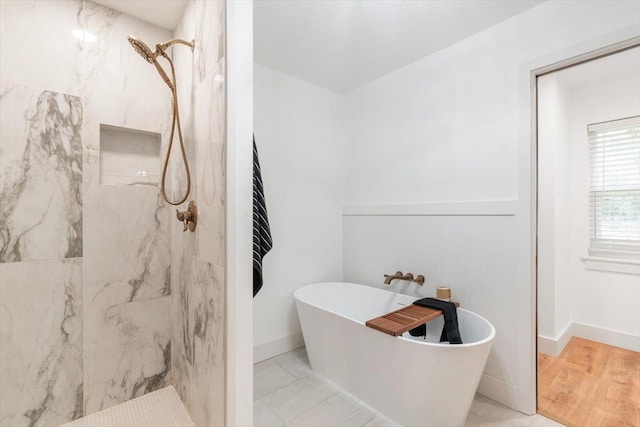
{"points": [[590, 385]]}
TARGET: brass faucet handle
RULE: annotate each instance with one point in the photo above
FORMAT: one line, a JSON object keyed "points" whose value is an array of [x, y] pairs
{"points": [[419, 280], [408, 276], [189, 217], [183, 217]]}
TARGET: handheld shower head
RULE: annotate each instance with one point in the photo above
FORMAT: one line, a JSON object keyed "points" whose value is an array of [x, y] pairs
{"points": [[143, 50], [149, 56], [152, 58]]}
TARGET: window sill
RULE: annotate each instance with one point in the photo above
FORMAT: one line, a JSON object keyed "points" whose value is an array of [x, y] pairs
{"points": [[627, 266]]}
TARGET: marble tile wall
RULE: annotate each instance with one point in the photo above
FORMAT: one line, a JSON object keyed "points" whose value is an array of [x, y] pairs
{"points": [[41, 174], [41, 214], [38, 47], [198, 268], [127, 350], [127, 274], [85, 269], [40, 342]]}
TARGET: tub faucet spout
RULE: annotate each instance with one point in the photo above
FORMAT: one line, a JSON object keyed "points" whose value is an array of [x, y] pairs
{"points": [[389, 277]]}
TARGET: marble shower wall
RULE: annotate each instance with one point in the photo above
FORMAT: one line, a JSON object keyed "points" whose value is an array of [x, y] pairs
{"points": [[127, 255], [40, 342], [41, 164], [198, 268], [41, 220], [85, 268]]}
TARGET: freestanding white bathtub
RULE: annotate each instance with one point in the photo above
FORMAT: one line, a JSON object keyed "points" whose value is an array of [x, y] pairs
{"points": [[413, 381]]}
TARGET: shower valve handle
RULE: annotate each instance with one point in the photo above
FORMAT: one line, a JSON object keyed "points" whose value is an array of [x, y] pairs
{"points": [[183, 217], [188, 217]]}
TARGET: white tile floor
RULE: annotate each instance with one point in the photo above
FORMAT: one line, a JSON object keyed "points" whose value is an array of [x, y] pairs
{"points": [[288, 393]]}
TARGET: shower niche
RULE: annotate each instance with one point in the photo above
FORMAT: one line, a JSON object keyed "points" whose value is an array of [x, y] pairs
{"points": [[129, 157]]}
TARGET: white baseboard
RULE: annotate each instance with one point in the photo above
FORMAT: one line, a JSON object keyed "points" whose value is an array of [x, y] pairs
{"points": [[554, 347], [606, 336], [546, 345], [276, 347], [498, 390]]}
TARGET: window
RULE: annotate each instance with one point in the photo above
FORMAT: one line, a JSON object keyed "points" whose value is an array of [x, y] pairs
{"points": [[614, 202]]}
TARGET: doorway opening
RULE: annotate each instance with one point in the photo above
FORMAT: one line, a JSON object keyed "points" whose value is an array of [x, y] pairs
{"points": [[588, 239]]}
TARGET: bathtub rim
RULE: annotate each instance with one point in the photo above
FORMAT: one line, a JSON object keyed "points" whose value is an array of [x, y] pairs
{"points": [[483, 341]]}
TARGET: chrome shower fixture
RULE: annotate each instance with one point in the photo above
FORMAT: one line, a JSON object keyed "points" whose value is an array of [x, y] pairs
{"points": [[152, 57]]}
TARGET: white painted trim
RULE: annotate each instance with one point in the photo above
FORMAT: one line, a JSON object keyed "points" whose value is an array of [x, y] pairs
{"points": [[276, 347], [606, 336], [611, 44], [614, 265], [554, 347], [527, 370], [464, 208], [629, 121], [239, 193], [547, 345], [498, 390], [566, 335]]}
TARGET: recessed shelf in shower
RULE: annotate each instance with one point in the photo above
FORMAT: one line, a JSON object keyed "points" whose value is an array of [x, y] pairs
{"points": [[129, 157]]}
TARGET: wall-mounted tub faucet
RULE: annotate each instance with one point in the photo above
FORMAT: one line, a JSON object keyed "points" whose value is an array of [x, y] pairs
{"points": [[400, 276]]}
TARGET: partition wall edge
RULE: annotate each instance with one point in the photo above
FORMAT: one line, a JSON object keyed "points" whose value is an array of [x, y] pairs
{"points": [[239, 325]]}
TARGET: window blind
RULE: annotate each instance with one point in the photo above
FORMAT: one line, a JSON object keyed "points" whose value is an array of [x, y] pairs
{"points": [[614, 199]]}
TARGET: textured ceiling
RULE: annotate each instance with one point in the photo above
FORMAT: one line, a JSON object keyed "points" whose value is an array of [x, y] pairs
{"points": [[343, 44], [164, 13]]}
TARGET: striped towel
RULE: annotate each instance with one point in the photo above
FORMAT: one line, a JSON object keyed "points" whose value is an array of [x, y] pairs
{"points": [[262, 242]]}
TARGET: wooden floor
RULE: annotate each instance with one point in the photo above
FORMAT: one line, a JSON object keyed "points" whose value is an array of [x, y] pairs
{"points": [[590, 384]]}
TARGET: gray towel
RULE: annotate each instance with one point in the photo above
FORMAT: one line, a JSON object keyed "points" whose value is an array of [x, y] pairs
{"points": [[262, 241]]}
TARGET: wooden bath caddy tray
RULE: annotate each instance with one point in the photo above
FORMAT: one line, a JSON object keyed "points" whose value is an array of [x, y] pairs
{"points": [[400, 321]]}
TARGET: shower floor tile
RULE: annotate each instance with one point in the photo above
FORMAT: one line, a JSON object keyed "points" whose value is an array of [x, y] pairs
{"points": [[162, 408], [312, 401]]}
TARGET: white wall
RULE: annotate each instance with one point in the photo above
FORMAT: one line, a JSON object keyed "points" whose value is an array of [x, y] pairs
{"points": [[553, 195], [456, 126], [603, 299], [297, 131]]}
